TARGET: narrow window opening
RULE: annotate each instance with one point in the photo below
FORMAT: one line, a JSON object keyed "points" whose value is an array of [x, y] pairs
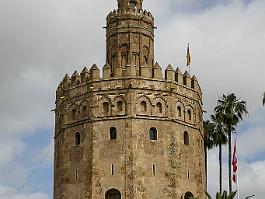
{"points": [[192, 83], [186, 138], [77, 138], [106, 107], [179, 111], [112, 169], [159, 107], [84, 108], [189, 114], [120, 106], [153, 133], [143, 106], [113, 133], [188, 174], [76, 174], [145, 59], [185, 81], [73, 113], [154, 169]]}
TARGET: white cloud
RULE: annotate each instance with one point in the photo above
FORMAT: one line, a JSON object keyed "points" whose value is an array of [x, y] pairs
{"points": [[251, 177], [7, 192]]}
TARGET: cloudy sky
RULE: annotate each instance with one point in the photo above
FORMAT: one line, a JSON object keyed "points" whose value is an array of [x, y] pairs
{"points": [[40, 41]]}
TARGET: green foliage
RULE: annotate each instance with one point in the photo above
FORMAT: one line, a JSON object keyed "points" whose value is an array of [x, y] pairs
{"points": [[218, 135], [223, 195], [230, 111], [208, 128]]}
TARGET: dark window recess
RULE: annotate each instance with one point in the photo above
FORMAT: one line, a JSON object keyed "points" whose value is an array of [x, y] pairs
{"points": [[159, 108], [153, 133], [186, 138], [179, 111], [185, 81], [106, 107], [143, 106], [113, 194], [188, 195], [77, 138], [154, 169], [192, 84], [189, 114], [74, 114], [113, 133], [120, 106]]}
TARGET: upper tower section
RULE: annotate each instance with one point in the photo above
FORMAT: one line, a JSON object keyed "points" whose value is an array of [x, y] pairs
{"points": [[130, 38], [125, 4]]}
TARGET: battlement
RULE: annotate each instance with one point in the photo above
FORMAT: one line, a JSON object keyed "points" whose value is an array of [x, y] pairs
{"points": [[137, 13], [93, 75]]}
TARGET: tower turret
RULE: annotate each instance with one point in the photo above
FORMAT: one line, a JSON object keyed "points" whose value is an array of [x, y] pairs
{"points": [[130, 37], [127, 4]]}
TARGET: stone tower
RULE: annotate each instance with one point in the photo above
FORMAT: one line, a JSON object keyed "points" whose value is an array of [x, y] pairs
{"points": [[132, 132]]}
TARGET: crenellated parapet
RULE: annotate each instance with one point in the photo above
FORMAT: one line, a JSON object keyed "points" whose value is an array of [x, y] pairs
{"points": [[132, 13], [93, 75]]}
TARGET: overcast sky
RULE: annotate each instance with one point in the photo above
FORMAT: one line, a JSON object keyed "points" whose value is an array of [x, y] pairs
{"points": [[41, 40]]}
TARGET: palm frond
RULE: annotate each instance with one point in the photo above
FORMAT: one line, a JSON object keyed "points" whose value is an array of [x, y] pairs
{"points": [[263, 101]]}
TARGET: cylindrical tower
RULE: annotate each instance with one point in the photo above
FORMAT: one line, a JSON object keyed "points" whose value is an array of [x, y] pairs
{"points": [[130, 38], [130, 133]]}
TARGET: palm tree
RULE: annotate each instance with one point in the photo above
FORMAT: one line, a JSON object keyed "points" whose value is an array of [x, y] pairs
{"points": [[231, 111], [208, 128], [223, 195], [220, 138]]}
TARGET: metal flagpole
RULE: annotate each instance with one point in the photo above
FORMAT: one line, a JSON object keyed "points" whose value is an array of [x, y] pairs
{"points": [[237, 183], [188, 57]]}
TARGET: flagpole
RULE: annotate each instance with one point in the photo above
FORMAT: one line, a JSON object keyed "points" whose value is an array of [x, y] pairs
{"points": [[188, 58], [237, 182]]}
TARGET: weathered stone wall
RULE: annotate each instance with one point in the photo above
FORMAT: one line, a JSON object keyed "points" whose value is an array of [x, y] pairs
{"points": [[133, 128], [126, 163]]}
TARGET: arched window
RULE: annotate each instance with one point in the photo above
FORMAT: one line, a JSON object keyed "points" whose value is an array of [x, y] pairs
{"points": [[84, 110], [186, 138], [159, 107], [153, 133], [77, 138], [113, 133], [188, 195], [113, 194], [189, 114], [119, 106], [179, 111], [106, 107], [73, 113], [143, 106]]}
